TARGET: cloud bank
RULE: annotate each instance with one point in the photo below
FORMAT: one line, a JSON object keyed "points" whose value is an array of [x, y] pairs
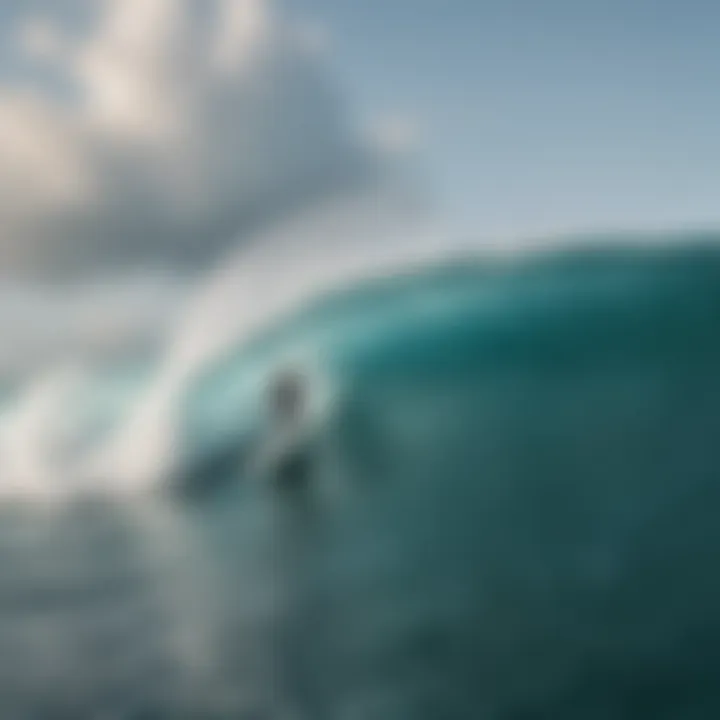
{"points": [[161, 132], [142, 139]]}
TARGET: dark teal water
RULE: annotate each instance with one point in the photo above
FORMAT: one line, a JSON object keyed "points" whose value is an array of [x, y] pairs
{"points": [[496, 498]]}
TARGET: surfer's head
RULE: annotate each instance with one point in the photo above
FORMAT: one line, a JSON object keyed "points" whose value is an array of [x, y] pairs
{"points": [[286, 396]]}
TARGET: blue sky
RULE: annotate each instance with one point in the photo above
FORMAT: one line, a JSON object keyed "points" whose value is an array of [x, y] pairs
{"points": [[543, 115]]}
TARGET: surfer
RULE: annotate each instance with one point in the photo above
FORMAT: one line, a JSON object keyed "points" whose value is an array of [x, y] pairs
{"points": [[287, 453]]}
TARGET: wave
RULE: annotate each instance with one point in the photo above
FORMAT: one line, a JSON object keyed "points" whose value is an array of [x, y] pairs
{"points": [[452, 405], [286, 301]]}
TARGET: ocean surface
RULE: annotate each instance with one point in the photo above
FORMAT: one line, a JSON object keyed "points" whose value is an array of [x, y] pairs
{"points": [[481, 490]]}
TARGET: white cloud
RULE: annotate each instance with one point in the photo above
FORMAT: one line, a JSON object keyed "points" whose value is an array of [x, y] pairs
{"points": [[181, 123], [149, 134]]}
